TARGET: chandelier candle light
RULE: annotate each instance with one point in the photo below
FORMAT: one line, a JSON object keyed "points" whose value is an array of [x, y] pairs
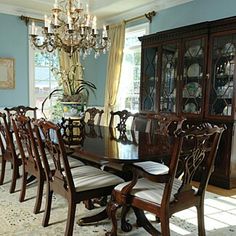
{"points": [[72, 29]]}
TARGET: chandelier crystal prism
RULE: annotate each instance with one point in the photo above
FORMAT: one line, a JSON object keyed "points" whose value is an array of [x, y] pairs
{"points": [[70, 28]]}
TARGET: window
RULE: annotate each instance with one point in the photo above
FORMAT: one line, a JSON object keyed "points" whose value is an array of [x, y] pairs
{"points": [[42, 80], [128, 94]]}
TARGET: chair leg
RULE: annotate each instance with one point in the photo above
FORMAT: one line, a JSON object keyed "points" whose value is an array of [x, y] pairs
{"points": [[70, 218], [111, 211], [23, 185], [3, 170], [165, 225], [200, 217], [39, 195], [125, 226], [48, 204], [15, 174]]}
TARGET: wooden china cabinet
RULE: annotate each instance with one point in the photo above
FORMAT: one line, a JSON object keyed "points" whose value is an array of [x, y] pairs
{"points": [[190, 71]]}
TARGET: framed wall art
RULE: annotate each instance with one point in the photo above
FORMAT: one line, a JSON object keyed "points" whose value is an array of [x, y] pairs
{"points": [[7, 73]]}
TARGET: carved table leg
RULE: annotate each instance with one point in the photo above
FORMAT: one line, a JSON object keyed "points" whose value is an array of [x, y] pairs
{"points": [[90, 219], [144, 222]]}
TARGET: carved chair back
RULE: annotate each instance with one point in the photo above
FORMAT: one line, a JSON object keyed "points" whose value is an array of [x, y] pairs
{"points": [[20, 110], [141, 122], [122, 117], [93, 116], [72, 130], [25, 139], [165, 123]]}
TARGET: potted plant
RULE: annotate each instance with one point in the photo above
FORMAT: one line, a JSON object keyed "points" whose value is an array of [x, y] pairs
{"points": [[73, 92]]}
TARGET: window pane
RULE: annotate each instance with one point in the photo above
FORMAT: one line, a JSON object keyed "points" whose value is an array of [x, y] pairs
{"points": [[45, 82], [128, 95]]}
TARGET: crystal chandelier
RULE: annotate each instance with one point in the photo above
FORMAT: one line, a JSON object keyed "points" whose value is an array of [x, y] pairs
{"points": [[70, 28]]}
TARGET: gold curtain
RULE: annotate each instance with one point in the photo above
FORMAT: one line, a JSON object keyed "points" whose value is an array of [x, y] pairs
{"points": [[115, 57]]}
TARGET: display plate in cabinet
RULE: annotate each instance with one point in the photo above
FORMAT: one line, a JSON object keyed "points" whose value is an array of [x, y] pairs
{"points": [[192, 89], [190, 107], [194, 70], [228, 49], [194, 51], [229, 69], [226, 91], [227, 110]]}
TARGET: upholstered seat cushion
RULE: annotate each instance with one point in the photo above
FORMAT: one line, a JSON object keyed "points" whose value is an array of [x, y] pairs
{"points": [[152, 167], [90, 178], [74, 162], [149, 190]]}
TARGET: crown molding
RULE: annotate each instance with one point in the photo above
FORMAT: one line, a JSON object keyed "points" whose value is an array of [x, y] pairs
{"points": [[153, 6], [18, 11]]}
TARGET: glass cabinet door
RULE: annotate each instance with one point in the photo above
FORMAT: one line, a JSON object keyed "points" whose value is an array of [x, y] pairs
{"points": [[222, 67], [192, 82], [149, 79], [168, 83]]}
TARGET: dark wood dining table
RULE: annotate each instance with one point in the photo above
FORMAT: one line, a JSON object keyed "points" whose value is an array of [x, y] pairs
{"points": [[101, 145]]}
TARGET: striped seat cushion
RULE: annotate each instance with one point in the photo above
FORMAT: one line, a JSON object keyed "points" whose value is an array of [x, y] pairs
{"points": [[149, 190], [91, 178], [72, 162], [152, 167]]}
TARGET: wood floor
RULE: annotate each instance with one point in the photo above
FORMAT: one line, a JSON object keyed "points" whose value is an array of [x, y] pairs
{"points": [[220, 191]]}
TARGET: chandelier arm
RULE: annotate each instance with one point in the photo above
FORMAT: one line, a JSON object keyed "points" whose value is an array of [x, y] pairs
{"points": [[38, 46]]}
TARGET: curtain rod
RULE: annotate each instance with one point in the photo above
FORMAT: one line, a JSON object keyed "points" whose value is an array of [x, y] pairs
{"points": [[27, 19], [148, 15]]}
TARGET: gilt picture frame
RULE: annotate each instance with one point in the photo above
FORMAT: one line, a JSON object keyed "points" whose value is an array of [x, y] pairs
{"points": [[7, 73]]}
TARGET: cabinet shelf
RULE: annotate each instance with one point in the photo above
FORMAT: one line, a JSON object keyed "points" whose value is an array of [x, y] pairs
{"points": [[192, 98], [188, 61], [192, 79]]}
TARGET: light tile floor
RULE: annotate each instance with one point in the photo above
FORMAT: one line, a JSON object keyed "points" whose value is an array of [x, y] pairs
{"points": [[18, 219]]}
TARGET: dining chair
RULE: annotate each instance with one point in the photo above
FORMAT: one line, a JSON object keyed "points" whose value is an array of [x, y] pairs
{"points": [[75, 185], [32, 163], [163, 194], [119, 119], [93, 116], [9, 152], [30, 157]]}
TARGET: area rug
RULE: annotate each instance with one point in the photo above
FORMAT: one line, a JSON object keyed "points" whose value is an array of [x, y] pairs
{"points": [[18, 218]]}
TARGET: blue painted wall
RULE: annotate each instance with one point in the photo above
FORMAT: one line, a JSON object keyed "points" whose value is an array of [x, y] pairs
{"points": [[14, 43], [193, 12], [95, 71]]}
